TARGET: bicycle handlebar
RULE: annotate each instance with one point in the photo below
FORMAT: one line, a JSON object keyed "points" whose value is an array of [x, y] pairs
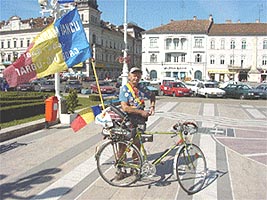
{"points": [[186, 127]]}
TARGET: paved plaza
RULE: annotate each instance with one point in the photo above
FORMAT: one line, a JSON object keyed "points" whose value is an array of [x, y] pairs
{"points": [[57, 163]]}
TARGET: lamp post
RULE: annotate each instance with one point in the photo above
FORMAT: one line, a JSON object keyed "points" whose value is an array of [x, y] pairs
{"points": [[125, 64]]}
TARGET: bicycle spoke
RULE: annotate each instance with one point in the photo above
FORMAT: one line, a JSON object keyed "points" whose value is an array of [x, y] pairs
{"points": [[191, 168], [118, 168]]}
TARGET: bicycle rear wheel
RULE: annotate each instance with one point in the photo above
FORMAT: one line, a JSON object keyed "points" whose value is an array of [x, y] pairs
{"points": [[119, 163], [191, 168]]}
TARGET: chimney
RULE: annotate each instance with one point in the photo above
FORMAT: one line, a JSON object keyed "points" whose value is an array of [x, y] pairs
{"points": [[195, 18], [257, 21], [238, 21], [228, 21]]}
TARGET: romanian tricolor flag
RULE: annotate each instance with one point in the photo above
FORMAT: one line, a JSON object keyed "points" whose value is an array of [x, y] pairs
{"points": [[84, 118], [58, 47]]}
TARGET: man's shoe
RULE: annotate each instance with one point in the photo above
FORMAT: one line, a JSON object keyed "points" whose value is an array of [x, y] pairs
{"points": [[120, 176]]}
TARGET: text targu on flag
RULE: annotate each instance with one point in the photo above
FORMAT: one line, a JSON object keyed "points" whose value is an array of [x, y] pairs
{"points": [[58, 47]]}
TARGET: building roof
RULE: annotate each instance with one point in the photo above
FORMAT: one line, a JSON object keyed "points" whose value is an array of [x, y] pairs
{"points": [[194, 26], [238, 29]]}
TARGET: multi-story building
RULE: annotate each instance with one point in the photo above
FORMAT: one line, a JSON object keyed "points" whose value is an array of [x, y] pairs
{"points": [[201, 49], [106, 39]]}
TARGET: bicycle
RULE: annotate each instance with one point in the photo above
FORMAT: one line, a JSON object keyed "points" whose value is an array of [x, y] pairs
{"points": [[190, 164]]}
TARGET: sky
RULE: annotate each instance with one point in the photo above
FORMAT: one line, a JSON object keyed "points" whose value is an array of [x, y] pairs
{"points": [[149, 14]]}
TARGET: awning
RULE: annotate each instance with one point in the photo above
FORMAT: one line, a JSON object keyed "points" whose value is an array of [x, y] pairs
{"points": [[220, 71]]}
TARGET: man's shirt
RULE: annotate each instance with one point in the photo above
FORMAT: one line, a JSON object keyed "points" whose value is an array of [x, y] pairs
{"points": [[141, 93]]}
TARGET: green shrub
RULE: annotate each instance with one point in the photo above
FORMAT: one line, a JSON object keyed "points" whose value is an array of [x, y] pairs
{"points": [[72, 100]]}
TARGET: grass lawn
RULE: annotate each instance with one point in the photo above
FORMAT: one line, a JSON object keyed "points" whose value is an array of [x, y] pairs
{"points": [[84, 104]]}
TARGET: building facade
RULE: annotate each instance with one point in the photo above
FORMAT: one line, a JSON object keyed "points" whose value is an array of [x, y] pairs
{"points": [[106, 39], [201, 49]]}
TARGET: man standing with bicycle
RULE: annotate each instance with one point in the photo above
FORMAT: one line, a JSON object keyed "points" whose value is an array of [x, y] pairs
{"points": [[132, 97]]}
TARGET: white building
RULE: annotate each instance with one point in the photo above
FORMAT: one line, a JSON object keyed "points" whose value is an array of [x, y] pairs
{"points": [[107, 40], [201, 49]]}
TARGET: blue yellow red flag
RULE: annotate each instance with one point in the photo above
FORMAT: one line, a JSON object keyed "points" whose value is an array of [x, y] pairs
{"points": [[58, 47]]}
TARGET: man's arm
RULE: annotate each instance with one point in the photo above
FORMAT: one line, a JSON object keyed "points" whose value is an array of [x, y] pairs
{"points": [[131, 110]]}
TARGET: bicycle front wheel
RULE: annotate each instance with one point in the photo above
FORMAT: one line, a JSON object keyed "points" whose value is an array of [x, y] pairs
{"points": [[119, 163], [191, 168]]}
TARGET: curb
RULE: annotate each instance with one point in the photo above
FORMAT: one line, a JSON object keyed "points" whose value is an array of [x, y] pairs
{"points": [[23, 129]]}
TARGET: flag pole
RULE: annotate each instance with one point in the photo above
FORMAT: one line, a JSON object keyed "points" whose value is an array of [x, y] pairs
{"points": [[97, 83]]}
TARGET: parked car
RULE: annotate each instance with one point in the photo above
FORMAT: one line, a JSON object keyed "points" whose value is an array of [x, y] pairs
{"points": [[46, 86], [176, 89], [25, 87], [262, 89], [241, 91], [73, 84], [105, 87], [193, 86], [224, 84], [209, 89], [149, 87]]}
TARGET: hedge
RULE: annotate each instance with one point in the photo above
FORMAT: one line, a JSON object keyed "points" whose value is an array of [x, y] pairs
{"points": [[21, 111]]}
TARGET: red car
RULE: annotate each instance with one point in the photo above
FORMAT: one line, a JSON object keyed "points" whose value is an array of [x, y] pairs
{"points": [[176, 89], [105, 87]]}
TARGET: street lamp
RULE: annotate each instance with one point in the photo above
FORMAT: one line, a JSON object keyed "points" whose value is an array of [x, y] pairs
{"points": [[125, 64]]}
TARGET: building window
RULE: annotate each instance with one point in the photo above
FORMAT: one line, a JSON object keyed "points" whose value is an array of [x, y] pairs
{"points": [[168, 57], [8, 44], [212, 44], [176, 43], [232, 46], [2, 44], [28, 43], [153, 42], [212, 60], [242, 60], [168, 43], [198, 58], [222, 60], [265, 44], [176, 59], [153, 58], [264, 60], [21, 43], [94, 39], [222, 44], [198, 42], [232, 60], [15, 43], [183, 58], [244, 44]]}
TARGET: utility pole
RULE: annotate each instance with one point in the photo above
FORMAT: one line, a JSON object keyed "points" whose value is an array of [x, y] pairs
{"points": [[125, 64]]}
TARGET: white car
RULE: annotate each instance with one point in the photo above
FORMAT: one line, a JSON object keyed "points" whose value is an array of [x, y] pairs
{"points": [[192, 86], [209, 89]]}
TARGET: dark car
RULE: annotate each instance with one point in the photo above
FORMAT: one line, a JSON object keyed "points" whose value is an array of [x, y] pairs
{"points": [[25, 87], [149, 87], [46, 86], [262, 89], [73, 84], [241, 91]]}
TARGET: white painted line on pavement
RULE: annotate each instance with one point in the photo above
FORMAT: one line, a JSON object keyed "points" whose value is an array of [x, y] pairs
{"points": [[67, 182], [208, 110], [208, 146], [255, 113], [255, 154]]}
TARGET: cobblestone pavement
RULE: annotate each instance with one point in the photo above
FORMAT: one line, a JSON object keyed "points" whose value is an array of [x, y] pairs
{"points": [[57, 163]]}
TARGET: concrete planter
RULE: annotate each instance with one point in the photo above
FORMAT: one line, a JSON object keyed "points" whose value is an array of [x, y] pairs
{"points": [[67, 118]]}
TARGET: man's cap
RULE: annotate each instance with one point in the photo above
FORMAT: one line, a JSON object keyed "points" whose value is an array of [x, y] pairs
{"points": [[135, 69]]}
